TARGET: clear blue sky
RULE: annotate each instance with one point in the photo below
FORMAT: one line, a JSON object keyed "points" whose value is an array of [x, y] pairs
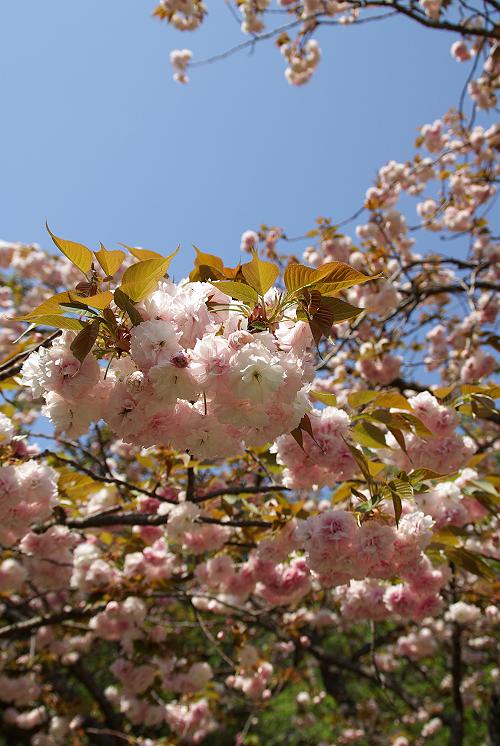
{"points": [[98, 139]]}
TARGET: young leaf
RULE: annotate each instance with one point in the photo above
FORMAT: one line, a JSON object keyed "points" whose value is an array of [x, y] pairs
{"points": [[417, 425], [421, 475], [260, 275], [471, 562], [369, 435], [361, 461], [77, 253], [141, 278], [360, 398], [402, 487], [58, 322], [238, 290], [123, 301], [85, 340], [141, 254], [110, 261], [296, 434], [305, 424], [99, 301], [50, 306], [329, 399], [390, 399], [335, 276], [398, 507], [340, 309], [210, 260], [398, 437], [321, 323], [442, 539], [298, 276]]}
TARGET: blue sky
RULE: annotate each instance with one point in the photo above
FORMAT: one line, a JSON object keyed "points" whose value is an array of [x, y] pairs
{"points": [[98, 138]]}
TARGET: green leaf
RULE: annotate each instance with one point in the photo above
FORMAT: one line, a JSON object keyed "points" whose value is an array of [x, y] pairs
{"points": [[260, 275], [110, 261], [124, 302], [329, 399], [238, 290], [85, 340], [77, 253]]}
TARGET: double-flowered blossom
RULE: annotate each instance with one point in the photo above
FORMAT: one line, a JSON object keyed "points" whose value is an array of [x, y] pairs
{"points": [[339, 549], [324, 459], [442, 449], [196, 378], [27, 494], [191, 722]]}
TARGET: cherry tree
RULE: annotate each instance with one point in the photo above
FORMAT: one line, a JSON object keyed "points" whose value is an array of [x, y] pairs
{"points": [[258, 504]]}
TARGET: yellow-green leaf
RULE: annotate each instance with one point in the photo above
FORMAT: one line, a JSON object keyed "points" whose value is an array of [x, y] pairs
{"points": [[422, 475], [260, 275], [445, 539], [59, 322], [359, 398], [51, 306], [335, 276], [99, 300], [393, 399], [398, 506], [141, 278], [375, 467], [110, 261], [340, 309], [443, 391], [238, 290], [209, 260], [298, 276], [141, 254], [77, 253], [470, 561], [329, 399], [369, 435]]}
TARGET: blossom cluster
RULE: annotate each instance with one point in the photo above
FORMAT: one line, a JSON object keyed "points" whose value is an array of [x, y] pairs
{"points": [[27, 494], [196, 378]]}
